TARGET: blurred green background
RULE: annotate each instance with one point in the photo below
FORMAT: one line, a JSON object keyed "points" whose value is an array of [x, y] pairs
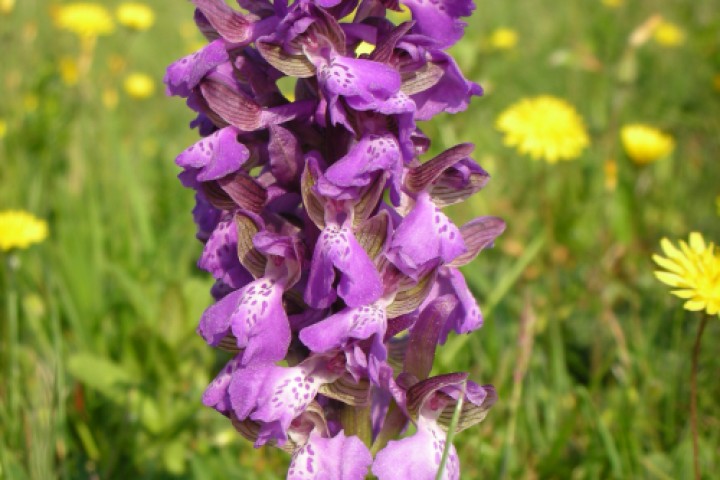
{"points": [[102, 371]]}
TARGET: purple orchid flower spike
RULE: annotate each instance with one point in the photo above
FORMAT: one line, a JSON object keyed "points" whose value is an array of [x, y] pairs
{"points": [[336, 269]]}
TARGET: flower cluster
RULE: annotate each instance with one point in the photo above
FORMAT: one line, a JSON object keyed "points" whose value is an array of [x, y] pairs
{"points": [[336, 268]]}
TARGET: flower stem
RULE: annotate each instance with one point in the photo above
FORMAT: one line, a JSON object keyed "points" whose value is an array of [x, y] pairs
{"points": [[693, 396], [451, 433], [11, 297]]}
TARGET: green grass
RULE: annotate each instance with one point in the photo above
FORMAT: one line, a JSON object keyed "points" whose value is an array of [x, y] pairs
{"points": [[109, 370]]}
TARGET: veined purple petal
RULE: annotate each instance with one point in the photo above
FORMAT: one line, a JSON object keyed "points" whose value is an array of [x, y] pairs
{"points": [[337, 458], [336, 330], [215, 156], [255, 315], [418, 456], [220, 258], [359, 282], [451, 94], [426, 237], [185, 74]]}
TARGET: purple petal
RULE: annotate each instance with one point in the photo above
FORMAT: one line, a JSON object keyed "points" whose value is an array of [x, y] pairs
{"points": [[451, 94], [365, 79], [216, 156], [425, 238], [255, 315], [336, 330], [185, 74], [439, 19], [337, 458], [371, 154], [418, 456], [276, 395], [216, 394], [359, 283], [220, 257]]}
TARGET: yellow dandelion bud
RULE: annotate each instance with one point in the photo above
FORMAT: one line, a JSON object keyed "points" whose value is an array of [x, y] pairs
{"points": [[610, 169], [135, 16], [69, 71], [544, 127], [693, 270], [84, 19], [645, 144], [7, 6], [19, 229], [503, 39], [139, 85], [668, 34]]}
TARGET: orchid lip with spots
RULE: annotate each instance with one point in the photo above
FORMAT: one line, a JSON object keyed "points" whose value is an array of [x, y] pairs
{"points": [[335, 266]]}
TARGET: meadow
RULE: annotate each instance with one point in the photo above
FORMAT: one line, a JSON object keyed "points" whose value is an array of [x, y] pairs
{"points": [[102, 371]]}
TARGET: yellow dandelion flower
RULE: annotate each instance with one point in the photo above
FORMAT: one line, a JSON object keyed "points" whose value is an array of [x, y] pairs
{"points": [[84, 19], [503, 39], [19, 229], [694, 270], [7, 6], [135, 16], [69, 71], [668, 34], [3, 128], [645, 144], [139, 85], [544, 127]]}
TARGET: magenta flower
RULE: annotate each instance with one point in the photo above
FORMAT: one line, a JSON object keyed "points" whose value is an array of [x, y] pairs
{"points": [[336, 267]]}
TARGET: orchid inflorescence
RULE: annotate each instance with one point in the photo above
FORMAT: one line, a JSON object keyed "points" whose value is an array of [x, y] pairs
{"points": [[336, 269]]}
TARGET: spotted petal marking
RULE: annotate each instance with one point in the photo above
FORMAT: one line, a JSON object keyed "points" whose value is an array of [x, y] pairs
{"points": [[359, 283], [336, 330], [255, 316], [216, 156], [337, 458]]}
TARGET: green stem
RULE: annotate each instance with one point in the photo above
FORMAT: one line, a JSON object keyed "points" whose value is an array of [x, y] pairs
{"points": [[12, 338], [356, 421], [451, 433], [693, 396]]}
